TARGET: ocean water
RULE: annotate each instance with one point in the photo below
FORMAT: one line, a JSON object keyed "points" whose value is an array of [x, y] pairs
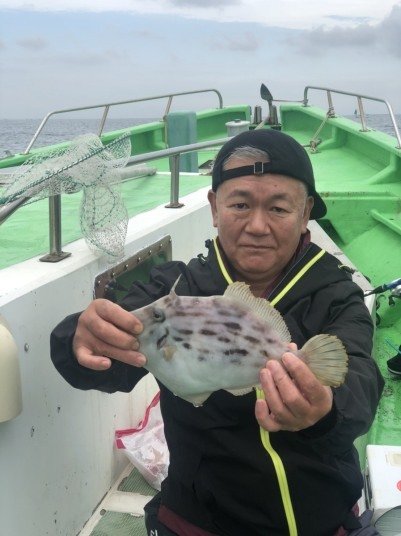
{"points": [[381, 122], [15, 134]]}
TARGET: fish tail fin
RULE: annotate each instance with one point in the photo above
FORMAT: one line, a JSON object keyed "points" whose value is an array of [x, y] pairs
{"points": [[327, 358]]}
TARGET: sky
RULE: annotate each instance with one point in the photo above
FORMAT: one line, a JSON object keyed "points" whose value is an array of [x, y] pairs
{"points": [[57, 54]]}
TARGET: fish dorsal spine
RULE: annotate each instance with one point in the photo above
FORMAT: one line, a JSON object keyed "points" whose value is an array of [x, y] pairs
{"points": [[172, 294], [241, 293], [175, 285]]}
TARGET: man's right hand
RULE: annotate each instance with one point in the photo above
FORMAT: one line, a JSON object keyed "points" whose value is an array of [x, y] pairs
{"points": [[107, 332]]}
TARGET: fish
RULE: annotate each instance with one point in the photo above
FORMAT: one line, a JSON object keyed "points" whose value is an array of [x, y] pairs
{"points": [[197, 345]]}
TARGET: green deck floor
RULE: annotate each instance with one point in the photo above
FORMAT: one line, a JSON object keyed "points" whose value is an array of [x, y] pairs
{"points": [[122, 524], [117, 524]]}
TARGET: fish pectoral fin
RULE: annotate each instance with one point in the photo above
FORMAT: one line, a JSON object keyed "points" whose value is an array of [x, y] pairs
{"points": [[240, 392], [168, 352]]}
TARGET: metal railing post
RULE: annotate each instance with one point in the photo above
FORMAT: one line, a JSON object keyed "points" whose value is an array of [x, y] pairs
{"points": [[56, 254], [362, 114], [103, 120], [331, 112], [175, 181], [166, 111]]}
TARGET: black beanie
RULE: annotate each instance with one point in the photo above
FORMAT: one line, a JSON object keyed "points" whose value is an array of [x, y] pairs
{"points": [[286, 157]]}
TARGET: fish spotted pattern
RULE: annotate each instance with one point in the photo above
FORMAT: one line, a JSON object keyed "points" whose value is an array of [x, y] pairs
{"points": [[198, 345]]}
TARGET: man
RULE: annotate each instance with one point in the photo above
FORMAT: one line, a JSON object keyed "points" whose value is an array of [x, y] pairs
{"points": [[292, 469]]}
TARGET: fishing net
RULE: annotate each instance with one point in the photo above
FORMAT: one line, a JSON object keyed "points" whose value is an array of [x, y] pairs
{"points": [[88, 165]]}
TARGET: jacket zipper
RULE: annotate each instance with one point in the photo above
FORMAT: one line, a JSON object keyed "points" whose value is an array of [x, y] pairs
{"points": [[264, 434]]}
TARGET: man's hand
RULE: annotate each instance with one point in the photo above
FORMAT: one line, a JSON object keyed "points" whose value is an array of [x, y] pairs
{"points": [[294, 397], [105, 331]]}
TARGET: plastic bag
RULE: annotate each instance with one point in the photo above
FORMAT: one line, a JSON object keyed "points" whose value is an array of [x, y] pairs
{"points": [[145, 446]]}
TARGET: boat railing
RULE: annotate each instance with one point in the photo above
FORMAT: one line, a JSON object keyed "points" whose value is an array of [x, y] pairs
{"points": [[361, 111], [106, 107], [55, 241]]}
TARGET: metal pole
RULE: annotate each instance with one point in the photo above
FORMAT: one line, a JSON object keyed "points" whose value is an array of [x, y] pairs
{"points": [[362, 115], [175, 181], [103, 120], [119, 103], [331, 112], [55, 254], [170, 100], [366, 97]]}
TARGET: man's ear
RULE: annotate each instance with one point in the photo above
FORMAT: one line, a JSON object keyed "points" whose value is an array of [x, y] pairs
{"points": [[211, 195]]}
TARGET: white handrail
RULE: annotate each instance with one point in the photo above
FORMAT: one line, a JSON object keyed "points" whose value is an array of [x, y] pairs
{"points": [[106, 107], [359, 98]]}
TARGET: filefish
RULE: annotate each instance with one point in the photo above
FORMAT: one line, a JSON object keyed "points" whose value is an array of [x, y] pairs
{"points": [[198, 345]]}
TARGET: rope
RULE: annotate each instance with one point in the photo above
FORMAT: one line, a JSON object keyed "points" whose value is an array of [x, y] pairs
{"points": [[314, 142]]}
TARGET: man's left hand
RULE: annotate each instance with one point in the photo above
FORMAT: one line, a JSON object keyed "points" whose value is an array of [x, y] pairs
{"points": [[294, 397]]}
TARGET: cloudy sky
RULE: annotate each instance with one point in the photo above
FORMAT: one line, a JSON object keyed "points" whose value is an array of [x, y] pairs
{"points": [[68, 53]]}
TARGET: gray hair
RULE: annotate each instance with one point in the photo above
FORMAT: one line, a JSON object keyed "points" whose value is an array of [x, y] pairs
{"points": [[247, 152]]}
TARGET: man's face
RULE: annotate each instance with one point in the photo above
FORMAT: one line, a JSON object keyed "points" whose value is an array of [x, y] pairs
{"points": [[260, 220]]}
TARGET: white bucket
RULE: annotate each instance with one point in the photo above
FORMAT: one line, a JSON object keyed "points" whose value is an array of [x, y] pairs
{"points": [[237, 126]]}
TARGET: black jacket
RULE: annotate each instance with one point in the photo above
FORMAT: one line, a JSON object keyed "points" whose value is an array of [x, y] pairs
{"points": [[221, 477]]}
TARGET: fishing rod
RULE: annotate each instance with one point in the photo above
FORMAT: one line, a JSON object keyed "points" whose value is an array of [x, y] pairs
{"points": [[394, 286]]}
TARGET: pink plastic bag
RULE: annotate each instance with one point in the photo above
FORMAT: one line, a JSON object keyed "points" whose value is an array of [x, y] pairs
{"points": [[145, 446]]}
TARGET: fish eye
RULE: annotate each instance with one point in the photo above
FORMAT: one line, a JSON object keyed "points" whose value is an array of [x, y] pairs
{"points": [[158, 315]]}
